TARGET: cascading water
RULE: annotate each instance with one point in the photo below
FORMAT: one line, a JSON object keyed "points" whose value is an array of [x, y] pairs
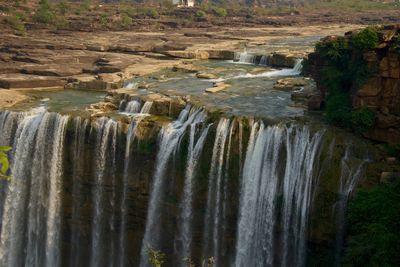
{"points": [[146, 107], [80, 129], [263, 181], [30, 234], [183, 241], [106, 147], [213, 217], [170, 138], [76, 195]]}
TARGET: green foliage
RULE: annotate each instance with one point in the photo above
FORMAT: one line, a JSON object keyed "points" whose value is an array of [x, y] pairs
{"points": [[220, 11], [126, 21], [362, 120], [4, 163], [44, 13], [156, 258], [346, 69], [63, 7], [153, 13], [86, 4], [338, 109], [366, 39], [201, 14], [16, 23], [374, 223]]}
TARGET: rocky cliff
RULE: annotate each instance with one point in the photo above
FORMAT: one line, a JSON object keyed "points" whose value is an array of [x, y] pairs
{"points": [[380, 90]]}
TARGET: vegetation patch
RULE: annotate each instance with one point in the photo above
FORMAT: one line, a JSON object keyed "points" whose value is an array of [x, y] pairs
{"points": [[346, 70], [374, 223]]}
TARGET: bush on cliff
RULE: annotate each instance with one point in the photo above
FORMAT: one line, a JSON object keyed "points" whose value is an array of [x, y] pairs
{"points": [[43, 13], [374, 223], [366, 39], [362, 120], [346, 69]]}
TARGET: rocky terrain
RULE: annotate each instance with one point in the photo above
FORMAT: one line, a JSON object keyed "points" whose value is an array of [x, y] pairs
{"points": [[380, 91]]}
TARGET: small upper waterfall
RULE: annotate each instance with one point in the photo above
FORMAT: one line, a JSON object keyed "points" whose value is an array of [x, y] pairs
{"points": [[135, 106], [245, 57]]}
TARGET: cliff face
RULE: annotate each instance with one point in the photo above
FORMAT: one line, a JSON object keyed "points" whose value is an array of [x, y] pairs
{"points": [[381, 91]]}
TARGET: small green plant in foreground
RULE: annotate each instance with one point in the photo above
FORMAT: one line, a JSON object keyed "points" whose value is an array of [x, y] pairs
{"points": [[4, 163], [156, 258]]}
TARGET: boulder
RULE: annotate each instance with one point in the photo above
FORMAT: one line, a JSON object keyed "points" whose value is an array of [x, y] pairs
{"points": [[289, 84], [208, 76], [218, 87]]}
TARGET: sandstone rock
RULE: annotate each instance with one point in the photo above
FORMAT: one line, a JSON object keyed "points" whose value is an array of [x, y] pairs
{"points": [[186, 68], [209, 76], [372, 87], [188, 54], [387, 177], [218, 87], [387, 121], [10, 81], [221, 54], [9, 98], [290, 83]]}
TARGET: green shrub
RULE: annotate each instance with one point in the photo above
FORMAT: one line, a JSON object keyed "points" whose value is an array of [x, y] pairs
{"points": [[220, 11], [201, 14], [338, 109], [374, 223], [366, 39], [126, 21], [362, 120], [86, 5], [15, 23], [63, 7], [43, 13], [152, 13]]}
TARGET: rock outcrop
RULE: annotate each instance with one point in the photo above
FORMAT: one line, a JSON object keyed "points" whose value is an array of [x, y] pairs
{"points": [[381, 91]]}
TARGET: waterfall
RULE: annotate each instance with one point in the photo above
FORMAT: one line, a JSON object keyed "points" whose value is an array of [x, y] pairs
{"points": [[31, 218], [184, 237], [245, 58], [105, 147], [170, 138], [146, 107], [246, 193], [260, 190], [132, 107], [78, 145], [135, 107], [212, 222], [264, 60], [349, 178]]}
